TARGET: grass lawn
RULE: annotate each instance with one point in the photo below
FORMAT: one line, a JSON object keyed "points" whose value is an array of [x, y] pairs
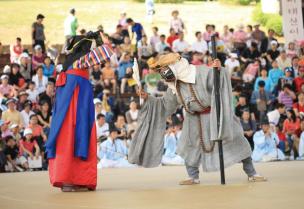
{"points": [[17, 16]]}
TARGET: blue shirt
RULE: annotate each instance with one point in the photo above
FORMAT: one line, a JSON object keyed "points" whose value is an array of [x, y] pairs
{"points": [[48, 71], [122, 68], [137, 28], [267, 84], [274, 76]]}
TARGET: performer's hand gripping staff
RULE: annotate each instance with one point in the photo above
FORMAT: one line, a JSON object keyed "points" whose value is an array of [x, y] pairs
{"points": [[141, 93]]}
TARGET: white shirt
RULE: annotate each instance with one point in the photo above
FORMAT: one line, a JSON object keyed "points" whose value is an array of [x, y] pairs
{"points": [[102, 130], [230, 65], [274, 117], [40, 84], [180, 46], [32, 95], [160, 47], [26, 117], [200, 46], [67, 25]]}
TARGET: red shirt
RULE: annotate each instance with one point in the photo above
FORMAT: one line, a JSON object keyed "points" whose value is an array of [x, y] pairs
{"points": [[299, 107], [298, 81], [27, 145], [281, 136], [170, 39], [291, 127]]}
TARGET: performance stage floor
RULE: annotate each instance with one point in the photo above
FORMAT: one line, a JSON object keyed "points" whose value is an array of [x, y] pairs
{"points": [[158, 188]]}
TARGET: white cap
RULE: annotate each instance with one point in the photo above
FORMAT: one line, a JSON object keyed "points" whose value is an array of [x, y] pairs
{"points": [[7, 69], [4, 77], [27, 131], [273, 42], [25, 55], [96, 101], [233, 55], [37, 47], [14, 125]]}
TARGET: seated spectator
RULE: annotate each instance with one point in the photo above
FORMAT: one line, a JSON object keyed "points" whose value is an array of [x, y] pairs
{"points": [[209, 31], [145, 50], [274, 75], [6, 90], [28, 147], [16, 79], [15, 132], [242, 105], [299, 80], [14, 161], [180, 45], [48, 68], [11, 114], [40, 80], [172, 37], [118, 36], [27, 112], [121, 126], [199, 45], [251, 71], [249, 127], [239, 39], [22, 98], [286, 79], [155, 38], [44, 117], [96, 75], [113, 152], [232, 62], [286, 96], [125, 66], [273, 53], [48, 95], [266, 42], [291, 128], [127, 47], [170, 145], [197, 58], [4, 127], [236, 76], [37, 57], [263, 77], [227, 37], [257, 34], [283, 60], [32, 92], [16, 50], [102, 127], [161, 45], [265, 145], [291, 51], [295, 66], [262, 99], [250, 54], [298, 107], [108, 77], [276, 116], [25, 66], [131, 116]]}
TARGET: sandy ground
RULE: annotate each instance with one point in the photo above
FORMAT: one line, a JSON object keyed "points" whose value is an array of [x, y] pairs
{"points": [[158, 188]]}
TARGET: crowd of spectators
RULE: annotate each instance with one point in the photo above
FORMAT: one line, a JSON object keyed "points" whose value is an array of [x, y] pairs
{"points": [[267, 79]]}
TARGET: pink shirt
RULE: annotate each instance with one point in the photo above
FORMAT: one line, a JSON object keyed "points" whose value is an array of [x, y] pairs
{"points": [[6, 89], [240, 36]]}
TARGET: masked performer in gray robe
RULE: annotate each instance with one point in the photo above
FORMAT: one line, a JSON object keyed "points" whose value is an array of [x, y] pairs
{"points": [[192, 87]]}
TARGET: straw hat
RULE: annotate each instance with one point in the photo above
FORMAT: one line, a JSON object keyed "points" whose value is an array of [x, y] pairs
{"points": [[163, 60]]}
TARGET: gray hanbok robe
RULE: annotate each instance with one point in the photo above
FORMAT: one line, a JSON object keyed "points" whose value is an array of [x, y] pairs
{"points": [[146, 148]]}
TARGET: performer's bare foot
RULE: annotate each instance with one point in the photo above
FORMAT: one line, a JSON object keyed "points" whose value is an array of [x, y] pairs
{"points": [[257, 178], [74, 188], [189, 182]]}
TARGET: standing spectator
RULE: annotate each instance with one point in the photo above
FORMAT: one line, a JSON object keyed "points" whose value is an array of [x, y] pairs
{"points": [[299, 80], [257, 34], [118, 36], [70, 24], [250, 39], [208, 33], [37, 57], [161, 45], [199, 45], [180, 45], [38, 36], [150, 10], [102, 127], [11, 114], [266, 42], [298, 107], [16, 50], [176, 23], [155, 38], [108, 77], [283, 60], [40, 80], [172, 37], [239, 39], [227, 37], [123, 22], [249, 127], [274, 75], [286, 96], [291, 129], [263, 77], [265, 145], [137, 28], [6, 90]]}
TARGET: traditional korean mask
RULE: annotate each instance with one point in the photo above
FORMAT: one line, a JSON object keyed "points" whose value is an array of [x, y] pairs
{"points": [[167, 74]]}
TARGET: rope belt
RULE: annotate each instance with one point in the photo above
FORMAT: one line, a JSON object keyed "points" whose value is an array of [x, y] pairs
{"points": [[204, 110]]}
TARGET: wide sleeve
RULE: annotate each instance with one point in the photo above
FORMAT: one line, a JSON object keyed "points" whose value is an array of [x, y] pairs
{"points": [[147, 145], [230, 125]]}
